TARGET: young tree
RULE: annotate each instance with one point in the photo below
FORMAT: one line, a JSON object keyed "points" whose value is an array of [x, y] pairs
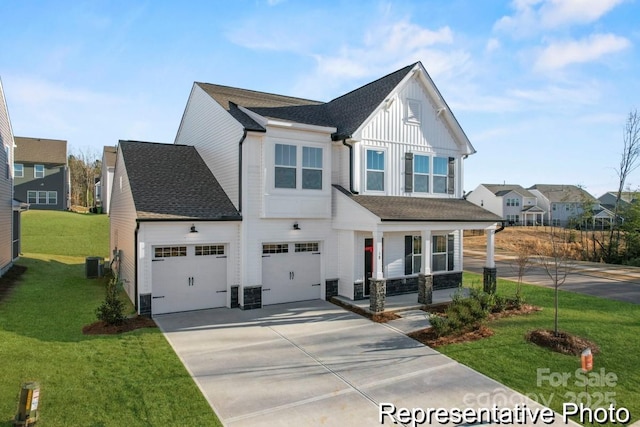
{"points": [[557, 261], [84, 167], [524, 251]]}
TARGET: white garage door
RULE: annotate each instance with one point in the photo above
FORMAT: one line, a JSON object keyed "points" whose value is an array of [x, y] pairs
{"points": [[188, 277], [290, 272]]}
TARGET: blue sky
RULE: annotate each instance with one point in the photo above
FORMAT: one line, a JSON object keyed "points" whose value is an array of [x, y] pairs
{"points": [[541, 87]]}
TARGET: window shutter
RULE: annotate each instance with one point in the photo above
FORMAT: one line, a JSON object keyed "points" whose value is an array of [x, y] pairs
{"points": [[451, 176], [408, 255], [408, 172]]}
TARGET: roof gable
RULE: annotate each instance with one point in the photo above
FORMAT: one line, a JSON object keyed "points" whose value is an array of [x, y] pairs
{"points": [[39, 150], [501, 190], [560, 193], [171, 181]]}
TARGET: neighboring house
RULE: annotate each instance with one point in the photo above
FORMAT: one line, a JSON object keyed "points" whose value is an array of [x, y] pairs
{"points": [[564, 203], [361, 196], [512, 203], [41, 173], [108, 165], [608, 199]]}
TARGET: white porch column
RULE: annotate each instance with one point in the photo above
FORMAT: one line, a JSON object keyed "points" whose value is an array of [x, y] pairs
{"points": [[491, 239], [377, 255], [425, 268]]}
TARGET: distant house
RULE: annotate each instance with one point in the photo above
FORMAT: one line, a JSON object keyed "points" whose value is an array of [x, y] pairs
{"points": [[9, 208], [512, 203], [564, 203], [608, 199], [41, 173], [106, 178]]}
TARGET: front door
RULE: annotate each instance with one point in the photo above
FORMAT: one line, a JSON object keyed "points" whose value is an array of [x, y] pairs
{"points": [[368, 264]]}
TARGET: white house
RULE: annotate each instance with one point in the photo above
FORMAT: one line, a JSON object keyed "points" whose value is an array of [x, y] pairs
{"points": [[510, 202], [360, 197], [108, 166]]}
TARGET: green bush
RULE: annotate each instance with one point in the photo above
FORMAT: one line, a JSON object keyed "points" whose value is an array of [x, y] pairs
{"points": [[111, 311], [463, 314]]}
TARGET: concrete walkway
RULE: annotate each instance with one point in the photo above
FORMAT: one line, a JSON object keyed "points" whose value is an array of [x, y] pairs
{"points": [[314, 363]]}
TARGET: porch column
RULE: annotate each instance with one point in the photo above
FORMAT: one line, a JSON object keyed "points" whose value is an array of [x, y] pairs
{"points": [[425, 279], [378, 284], [489, 271]]}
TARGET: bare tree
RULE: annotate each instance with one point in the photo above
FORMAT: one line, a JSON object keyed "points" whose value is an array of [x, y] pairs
{"points": [[84, 167], [557, 261], [524, 251]]}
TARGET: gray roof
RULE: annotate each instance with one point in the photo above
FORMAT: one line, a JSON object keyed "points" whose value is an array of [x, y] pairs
{"points": [[171, 181], [399, 208], [40, 150], [502, 189], [346, 113], [564, 193]]}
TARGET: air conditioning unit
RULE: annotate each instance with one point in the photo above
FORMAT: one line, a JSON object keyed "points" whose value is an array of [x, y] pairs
{"points": [[93, 267]]}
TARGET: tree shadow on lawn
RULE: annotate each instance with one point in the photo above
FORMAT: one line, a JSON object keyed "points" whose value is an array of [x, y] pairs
{"points": [[52, 300]]}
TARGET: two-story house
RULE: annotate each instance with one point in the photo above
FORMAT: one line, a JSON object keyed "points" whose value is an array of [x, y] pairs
{"points": [[564, 203], [511, 202], [9, 208], [361, 196], [41, 173]]}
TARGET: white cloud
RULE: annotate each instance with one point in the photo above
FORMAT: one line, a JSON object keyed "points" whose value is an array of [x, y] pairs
{"points": [[561, 54], [492, 45], [533, 16]]}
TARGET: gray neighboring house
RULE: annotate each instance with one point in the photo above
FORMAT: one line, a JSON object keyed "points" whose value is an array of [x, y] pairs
{"points": [[563, 203], [608, 199], [9, 208], [41, 173], [106, 177]]}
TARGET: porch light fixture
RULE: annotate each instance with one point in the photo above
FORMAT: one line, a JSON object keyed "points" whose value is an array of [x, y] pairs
{"points": [[296, 226], [193, 229]]}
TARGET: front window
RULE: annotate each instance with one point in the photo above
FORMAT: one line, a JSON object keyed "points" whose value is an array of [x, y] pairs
{"points": [[421, 174], [18, 170], [312, 168], [285, 166], [38, 171], [375, 170], [52, 197], [442, 252], [440, 171]]}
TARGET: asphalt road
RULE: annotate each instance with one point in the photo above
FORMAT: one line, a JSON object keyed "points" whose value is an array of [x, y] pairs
{"points": [[618, 286]]}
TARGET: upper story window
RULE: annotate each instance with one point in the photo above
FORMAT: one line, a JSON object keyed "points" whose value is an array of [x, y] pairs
{"points": [[287, 171], [18, 170], [38, 171], [285, 166], [426, 174], [440, 174], [414, 111], [375, 170], [421, 173], [513, 202]]}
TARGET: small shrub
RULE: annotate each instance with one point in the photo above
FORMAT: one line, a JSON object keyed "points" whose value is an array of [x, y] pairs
{"points": [[111, 311], [462, 314]]}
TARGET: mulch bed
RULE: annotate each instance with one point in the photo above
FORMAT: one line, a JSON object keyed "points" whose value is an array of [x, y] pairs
{"points": [[563, 342], [10, 280], [377, 317], [129, 324]]}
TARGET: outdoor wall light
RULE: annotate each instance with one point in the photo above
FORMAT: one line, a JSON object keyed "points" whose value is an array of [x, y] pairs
{"points": [[296, 226], [193, 229]]}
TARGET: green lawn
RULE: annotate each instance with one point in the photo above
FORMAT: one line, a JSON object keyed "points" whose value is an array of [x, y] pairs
{"points": [[508, 358], [132, 379]]}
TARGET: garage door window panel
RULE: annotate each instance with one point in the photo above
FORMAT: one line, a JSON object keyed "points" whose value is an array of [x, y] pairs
{"points": [[170, 251], [307, 247], [204, 250], [277, 248]]}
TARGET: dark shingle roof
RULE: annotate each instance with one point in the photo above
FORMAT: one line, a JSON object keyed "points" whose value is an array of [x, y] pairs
{"points": [[398, 208], [39, 150], [346, 113], [502, 189], [172, 182], [564, 193]]}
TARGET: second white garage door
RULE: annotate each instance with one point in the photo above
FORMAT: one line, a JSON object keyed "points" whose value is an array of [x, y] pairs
{"points": [[290, 272], [188, 277]]}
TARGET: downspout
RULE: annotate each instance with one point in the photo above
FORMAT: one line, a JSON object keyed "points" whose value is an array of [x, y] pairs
{"points": [[350, 147], [501, 227], [244, 136]]}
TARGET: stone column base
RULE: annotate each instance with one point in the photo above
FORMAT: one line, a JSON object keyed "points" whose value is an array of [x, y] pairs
{"points": [[489, 280], [425, 289], [377, 295]]}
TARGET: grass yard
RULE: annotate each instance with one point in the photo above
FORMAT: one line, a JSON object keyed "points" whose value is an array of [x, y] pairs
{"points": [[132, 379], [530, 369]]}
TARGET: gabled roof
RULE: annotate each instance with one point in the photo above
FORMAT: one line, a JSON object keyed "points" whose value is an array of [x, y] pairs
{"points": [[503, 189], [625, 196], [564, 193], [39, 150], [171, 181], [109, 156], [399, 208]]}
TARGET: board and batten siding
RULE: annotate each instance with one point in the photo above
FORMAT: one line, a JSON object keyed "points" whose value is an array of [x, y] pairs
{"points": [[390, 130], [216, 135], [122, 224], [6, 187]]}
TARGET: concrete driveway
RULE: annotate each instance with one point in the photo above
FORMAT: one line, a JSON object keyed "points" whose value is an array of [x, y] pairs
{"points": [[313, 363]]}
